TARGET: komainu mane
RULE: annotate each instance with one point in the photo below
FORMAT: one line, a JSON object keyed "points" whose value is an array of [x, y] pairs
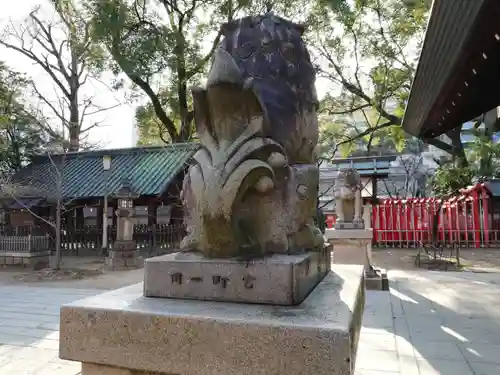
{"points": [[253, 186]]}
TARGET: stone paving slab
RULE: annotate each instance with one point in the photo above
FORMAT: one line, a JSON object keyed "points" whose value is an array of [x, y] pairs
{"points": [[445, 323], [29, 330], [430, 323]]}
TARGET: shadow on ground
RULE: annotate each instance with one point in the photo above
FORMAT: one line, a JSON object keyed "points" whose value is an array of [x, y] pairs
{"points": [[445, 323]]}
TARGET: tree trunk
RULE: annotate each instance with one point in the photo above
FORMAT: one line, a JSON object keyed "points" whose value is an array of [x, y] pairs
{"points": [[74, 110], [435, 222], [185, 130], [56, 261]]}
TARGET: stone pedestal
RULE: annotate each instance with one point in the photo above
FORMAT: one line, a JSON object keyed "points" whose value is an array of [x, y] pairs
{"points": [[36, 260], [124, 256], [354, 246], [376, 279], [124, 333], [276, 279], [351, 246], [367, 215]]}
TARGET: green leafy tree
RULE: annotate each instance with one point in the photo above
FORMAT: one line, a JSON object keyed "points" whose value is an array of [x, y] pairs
{"points": [[22, 134], [163, 47], [449, 178], [157, 45], [484, 157], [483, 162], [367, 51]]}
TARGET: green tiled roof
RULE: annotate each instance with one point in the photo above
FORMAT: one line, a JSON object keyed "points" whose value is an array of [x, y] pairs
{"points": [[365, 165], [149, 170]]}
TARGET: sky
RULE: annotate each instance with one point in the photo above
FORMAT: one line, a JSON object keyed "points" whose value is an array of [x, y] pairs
{"points": [[117, 129]]}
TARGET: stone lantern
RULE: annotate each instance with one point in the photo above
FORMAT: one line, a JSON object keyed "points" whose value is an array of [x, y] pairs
{"points": [[124, 253]]}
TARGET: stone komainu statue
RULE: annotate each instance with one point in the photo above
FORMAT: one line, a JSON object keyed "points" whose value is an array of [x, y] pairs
{"points": [[347, 194], [253, 185]]}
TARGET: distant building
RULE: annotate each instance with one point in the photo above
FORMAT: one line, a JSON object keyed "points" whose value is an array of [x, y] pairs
{"points": [[468, 135]]}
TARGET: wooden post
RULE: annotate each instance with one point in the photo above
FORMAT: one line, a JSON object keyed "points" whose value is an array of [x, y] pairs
{"points": [[114, 204], [152, 221], [99, 224], [79, 218], [152, 212]]}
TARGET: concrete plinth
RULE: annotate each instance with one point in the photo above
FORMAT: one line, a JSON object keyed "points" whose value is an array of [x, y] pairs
{"points": [[376, 279], [276, 279], [119, 260], [345, 225], [354, 246], [124, 256], [351, 246], [35, 260], [122, 332]]}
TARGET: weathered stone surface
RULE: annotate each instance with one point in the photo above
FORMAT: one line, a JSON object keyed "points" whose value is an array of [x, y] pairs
{"points": [[252, 186], [376, 279], [276, 279], [169, 336], [123, 259], [35, 260], [124, 245], [367, 215], [344, 225], [365, 234], [355, 247], [93, 369], [351, 246], [348, 202]]}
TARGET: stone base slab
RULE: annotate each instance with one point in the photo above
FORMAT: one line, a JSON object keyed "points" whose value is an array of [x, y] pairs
{"points": [[351, 246], [117, 260], [35, 260], [125, 330], [332, 233], [376, 279], [349, 225], [277, 279], [121, 245]]}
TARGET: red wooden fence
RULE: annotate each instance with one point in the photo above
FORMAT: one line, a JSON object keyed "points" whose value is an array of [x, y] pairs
{"points": [[469, 220]]}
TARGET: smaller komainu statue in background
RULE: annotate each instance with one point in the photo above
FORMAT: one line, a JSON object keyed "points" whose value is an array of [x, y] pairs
{"points": [[253, 186], [348, 202]]}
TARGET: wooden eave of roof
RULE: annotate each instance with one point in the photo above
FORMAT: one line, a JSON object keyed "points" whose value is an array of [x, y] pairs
{"points": [[458, 70]]}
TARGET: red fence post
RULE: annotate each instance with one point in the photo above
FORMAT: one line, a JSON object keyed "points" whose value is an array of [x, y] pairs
{"points": [[440, 217], [409, 221], [421, 220], [486, 215], [466, 217], [476, 217], [396, 218]]}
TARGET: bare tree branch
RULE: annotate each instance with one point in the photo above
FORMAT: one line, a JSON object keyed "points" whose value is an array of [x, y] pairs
{"points": [[62, 50]]}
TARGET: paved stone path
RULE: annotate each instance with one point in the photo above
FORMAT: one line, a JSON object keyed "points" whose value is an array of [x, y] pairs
{"points": [[431, 323], [29, 330]]}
